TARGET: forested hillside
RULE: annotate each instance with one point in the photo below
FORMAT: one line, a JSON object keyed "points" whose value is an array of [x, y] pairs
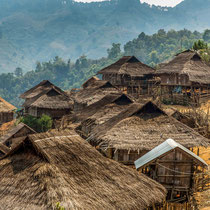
{"points": [[39, 30], [150, 49]]}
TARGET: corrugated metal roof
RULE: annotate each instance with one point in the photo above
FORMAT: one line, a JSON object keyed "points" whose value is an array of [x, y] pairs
{"points": [[163, 148]]}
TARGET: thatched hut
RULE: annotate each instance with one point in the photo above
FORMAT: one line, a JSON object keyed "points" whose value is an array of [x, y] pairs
{"points": [[93, 93], [6, 111], [130, 75], [187, 76], [137, 130], [46, 98], [101, 111], [15, 134], [61, 167], [174, 166]]}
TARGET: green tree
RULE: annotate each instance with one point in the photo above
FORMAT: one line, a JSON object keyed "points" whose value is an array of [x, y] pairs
{"points": [[45, 123], [206, 35], [154, 57], [114, 52], [18, 72], [200, 45], [42, 124]]}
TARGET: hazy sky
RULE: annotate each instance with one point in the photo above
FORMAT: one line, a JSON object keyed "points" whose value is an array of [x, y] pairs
{"points": [[168, 3]]}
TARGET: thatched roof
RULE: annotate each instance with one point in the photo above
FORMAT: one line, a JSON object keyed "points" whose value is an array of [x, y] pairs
{"points": [[143, 128], [128, 65], [6, 106], [51, 100], [112, 98], [95, 92], [14, 131], [40, 89], [188, 63], [61, 167], [90, 81]]}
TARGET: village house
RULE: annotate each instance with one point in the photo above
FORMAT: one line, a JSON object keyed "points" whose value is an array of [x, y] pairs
{"points": [[52, 167], [16, 134], [6, 111], [174, 166], [46, 98], [92, 93], [131, 76], [137, 130], [185, 79]]}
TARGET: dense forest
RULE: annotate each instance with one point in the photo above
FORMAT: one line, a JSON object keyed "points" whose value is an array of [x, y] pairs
{"points": [[39, 30], [150, 49]]}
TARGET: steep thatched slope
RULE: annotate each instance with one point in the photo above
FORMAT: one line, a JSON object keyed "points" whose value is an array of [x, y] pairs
{"points": [[143, 128], [128, 65], [61, 167], [189, 63], [6, 106]]}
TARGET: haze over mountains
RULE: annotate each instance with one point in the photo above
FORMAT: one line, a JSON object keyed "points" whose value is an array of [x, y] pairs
{"points": [[41, 29]]}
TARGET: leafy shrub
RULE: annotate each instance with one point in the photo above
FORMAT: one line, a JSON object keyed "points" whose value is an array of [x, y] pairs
{"points": [[42, 124]]}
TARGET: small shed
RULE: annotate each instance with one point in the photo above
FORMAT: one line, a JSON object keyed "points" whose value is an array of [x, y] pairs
{"points": [[62, 167], [174, 166], [6, 111]]}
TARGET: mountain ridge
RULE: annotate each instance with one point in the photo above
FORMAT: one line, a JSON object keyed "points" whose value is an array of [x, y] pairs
{"points": [[39, 30]]}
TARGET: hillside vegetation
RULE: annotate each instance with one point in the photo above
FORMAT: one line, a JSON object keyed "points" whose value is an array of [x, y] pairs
{"points": [[150, 49], [39, 30]]}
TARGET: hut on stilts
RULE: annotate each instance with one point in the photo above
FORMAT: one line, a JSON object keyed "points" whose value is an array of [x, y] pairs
{"points": [[185, 79], [131, 76]]}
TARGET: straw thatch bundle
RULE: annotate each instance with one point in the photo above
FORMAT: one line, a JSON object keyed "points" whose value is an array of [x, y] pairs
{"points": [[90, 81], [94, 93], [99, 106], [42, 88], [47, 96], [128, 65], [61, 167], [56, 101], [143, 128], [6, 106], [188, 63]]}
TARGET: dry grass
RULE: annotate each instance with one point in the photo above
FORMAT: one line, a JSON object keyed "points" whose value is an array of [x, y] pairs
{"points": [[61, 167], [188, 63], [6, 106], [143, 129], [203, 198]]}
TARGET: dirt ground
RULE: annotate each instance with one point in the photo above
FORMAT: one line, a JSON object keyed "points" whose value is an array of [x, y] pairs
{"points": [[203, 198]]}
